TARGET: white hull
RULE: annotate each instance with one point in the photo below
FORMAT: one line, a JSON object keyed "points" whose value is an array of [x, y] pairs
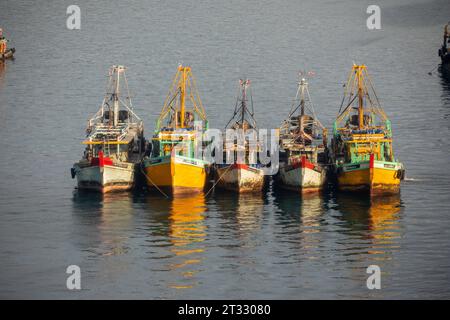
{"points": [[302, 179], [107, 178], [240, 178]]}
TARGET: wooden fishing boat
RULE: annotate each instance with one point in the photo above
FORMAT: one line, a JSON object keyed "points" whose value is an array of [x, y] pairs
{"points": [[115, 141], [174, 166], [303, 146], [241, 173], [444, 51], [5, 53], [362, 152]]}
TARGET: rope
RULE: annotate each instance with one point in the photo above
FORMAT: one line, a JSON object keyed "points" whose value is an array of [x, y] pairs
{"points": [[215, 183], [431, 71], [152, 182]]}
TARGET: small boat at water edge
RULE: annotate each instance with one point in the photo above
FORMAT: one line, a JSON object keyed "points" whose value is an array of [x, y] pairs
{"points": [[5, 53], [362, 152], [303, 146], [8, 54], [247, 176], [173, 166], [115, 142], [444, 51]]}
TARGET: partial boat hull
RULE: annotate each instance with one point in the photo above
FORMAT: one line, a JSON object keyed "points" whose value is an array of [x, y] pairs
{"points": [[375, 177], [9, 54], [445, 68], [240, 178], [304, 177], [105, 179], [176, 174], [445, 65]]}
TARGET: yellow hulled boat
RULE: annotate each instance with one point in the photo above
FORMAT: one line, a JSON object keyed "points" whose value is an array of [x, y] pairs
{"points": [[174, 165], [362, 152]]}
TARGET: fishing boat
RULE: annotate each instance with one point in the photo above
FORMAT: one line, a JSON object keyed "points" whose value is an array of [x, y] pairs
{"points": [[115, 142], [303, 146], [5, 53], [444, 51], [241, 172], [362, 152], [174, 166]]}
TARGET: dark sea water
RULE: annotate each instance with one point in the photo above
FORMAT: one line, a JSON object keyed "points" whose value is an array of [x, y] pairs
{"points": [[277, 245]]}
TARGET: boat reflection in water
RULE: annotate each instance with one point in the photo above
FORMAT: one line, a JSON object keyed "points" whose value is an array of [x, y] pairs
{"points": [[249, 211], [373, 224], [187, 232], [383, 214], [305, 209], [242, 212], [311, 209], [108, 218], [301, 219], [2, 73]]}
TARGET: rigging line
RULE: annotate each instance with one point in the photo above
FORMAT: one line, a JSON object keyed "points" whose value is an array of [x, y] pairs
{"points": [[169, 106], [236, 110], [253, 111], [354, 87], [294, 101], [372, 87], [373, 107], [431, 71], [292, 113], [215, 183], [197, 94], [251, 100], [343, 97], [195, 99], [349, 77], [128, 90], [232, 118], [378, 104], [143, 172], [236, 104], [191, 95], [170, 93], [341, 115], [310, 104]]}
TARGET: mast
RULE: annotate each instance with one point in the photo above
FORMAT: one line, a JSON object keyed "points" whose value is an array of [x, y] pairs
{"points": [[360, 96], [240, 107], [243, 103], [302, 96], [117, 70], [183, 95], [112, 103], [359, 90]]}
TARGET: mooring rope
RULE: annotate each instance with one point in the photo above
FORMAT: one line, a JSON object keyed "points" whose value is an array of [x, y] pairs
{"points": [[153, 182], [431, 71], [215, 183]]}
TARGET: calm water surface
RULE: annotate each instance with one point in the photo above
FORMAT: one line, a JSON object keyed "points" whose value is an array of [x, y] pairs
{"points": [[276, 245]]}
